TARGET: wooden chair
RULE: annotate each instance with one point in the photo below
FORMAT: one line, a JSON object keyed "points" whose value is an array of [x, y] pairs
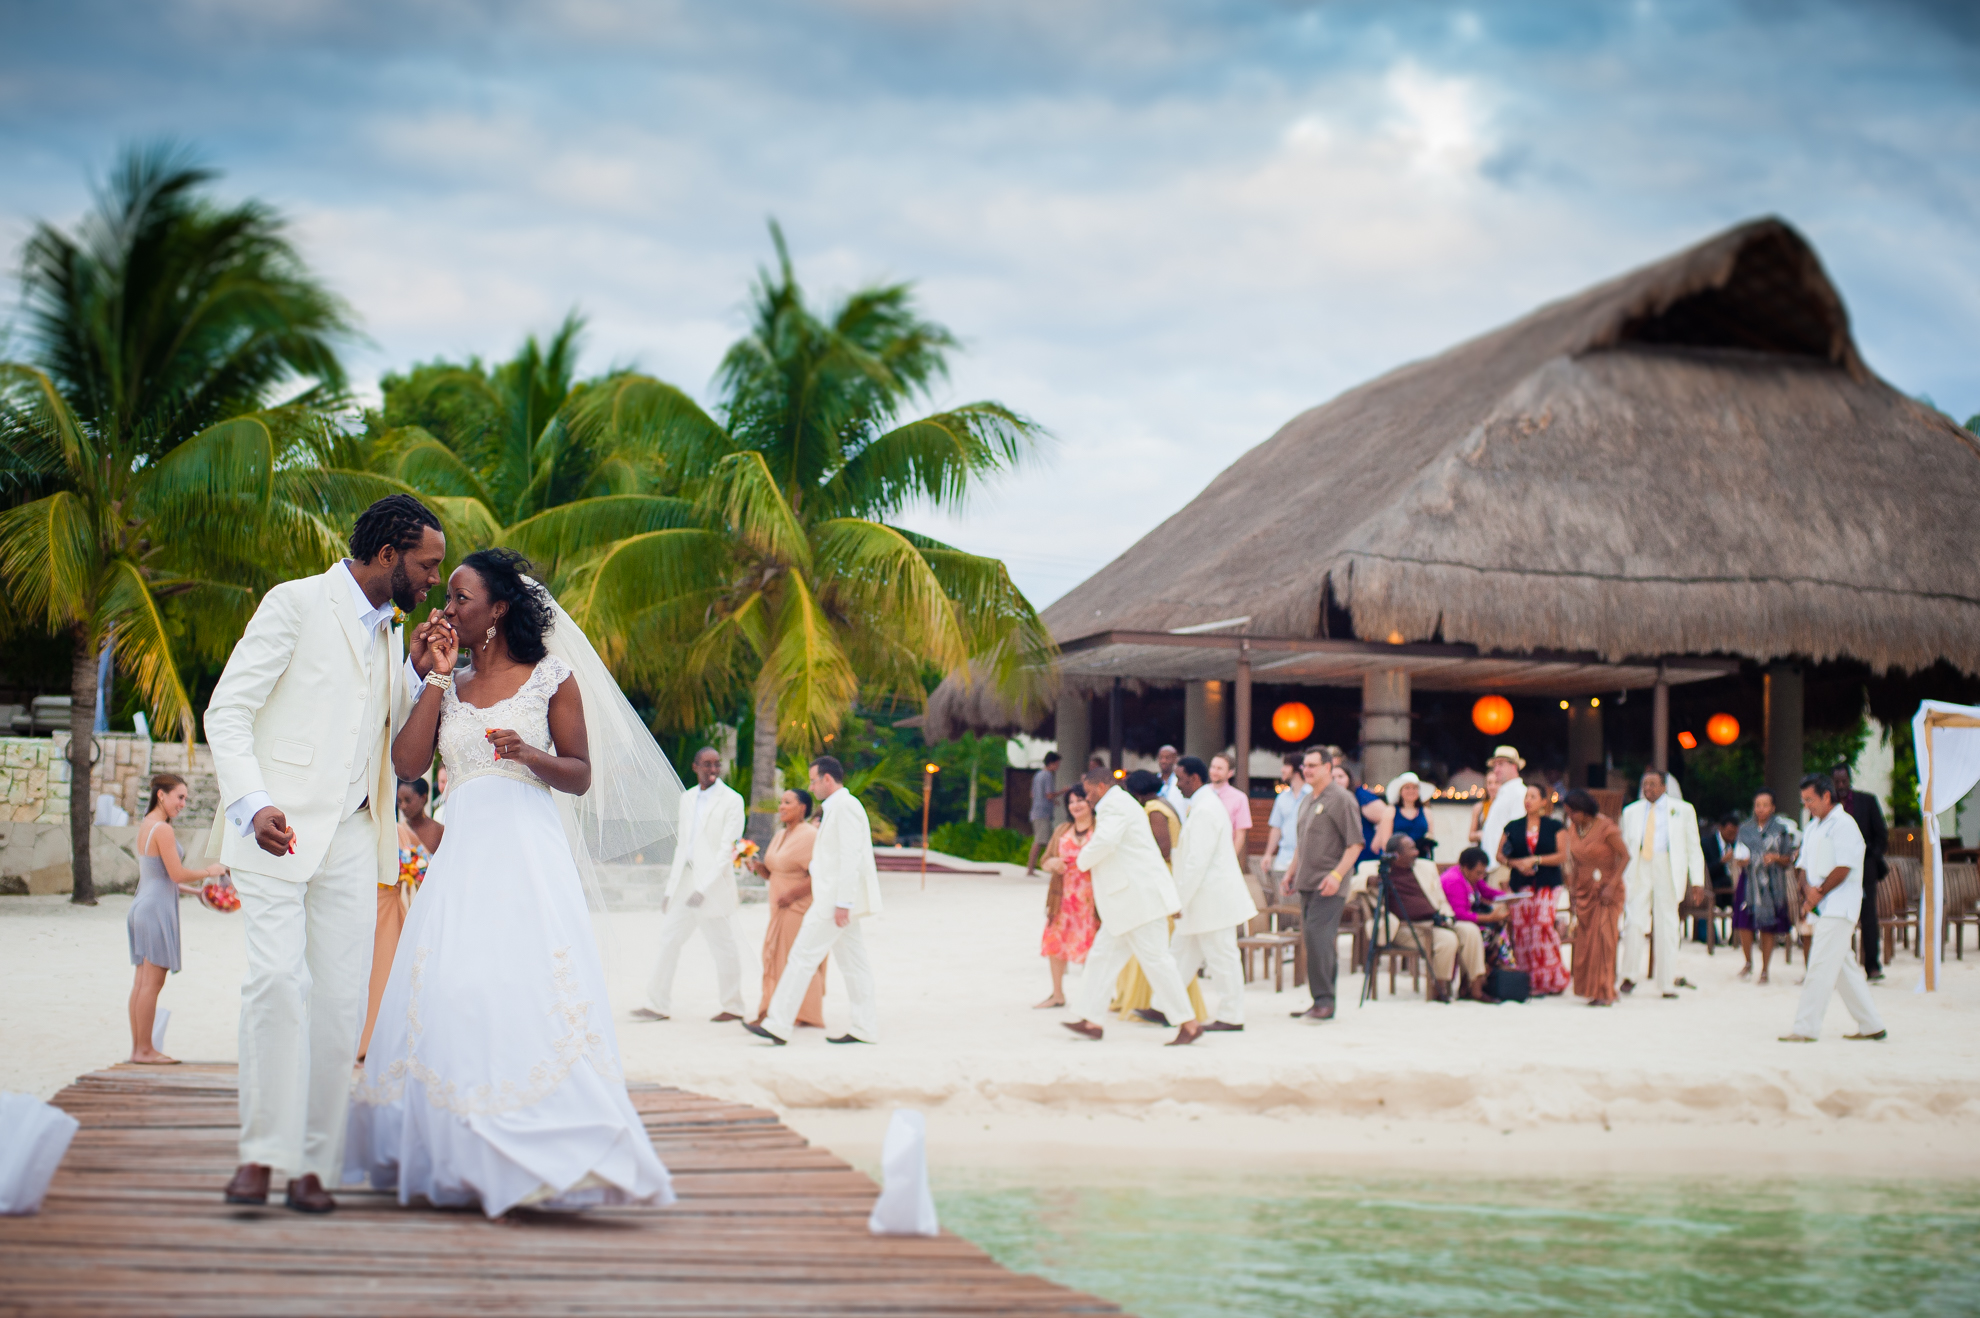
{"points": [[1892, 918], [1909, 871], [1274, 953], [1397, 951], [1962, 906], [1702, 910]]}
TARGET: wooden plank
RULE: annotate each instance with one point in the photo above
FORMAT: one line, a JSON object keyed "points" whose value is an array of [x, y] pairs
{"points": [[765, 1225]]}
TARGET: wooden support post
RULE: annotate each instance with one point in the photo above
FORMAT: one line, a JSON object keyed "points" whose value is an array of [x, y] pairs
{"points": [[1116, 735], [1660, 722], [1782, 736], [1241, 771]]}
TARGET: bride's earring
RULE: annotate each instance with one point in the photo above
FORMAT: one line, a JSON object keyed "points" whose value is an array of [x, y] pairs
{"points": [[489, 637]]}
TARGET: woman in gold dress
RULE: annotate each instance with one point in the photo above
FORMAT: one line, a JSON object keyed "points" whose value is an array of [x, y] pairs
{"points": [[786, 865]]}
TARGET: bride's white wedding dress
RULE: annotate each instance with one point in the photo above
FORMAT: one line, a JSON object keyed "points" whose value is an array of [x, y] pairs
{"points": [[493, 1076]]}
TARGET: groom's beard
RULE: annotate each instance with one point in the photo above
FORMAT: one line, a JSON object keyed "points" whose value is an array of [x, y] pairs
{"points": [[404, 594]]}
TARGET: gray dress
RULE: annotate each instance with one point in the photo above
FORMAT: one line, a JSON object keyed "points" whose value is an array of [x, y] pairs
{"points": [[154, 918]]}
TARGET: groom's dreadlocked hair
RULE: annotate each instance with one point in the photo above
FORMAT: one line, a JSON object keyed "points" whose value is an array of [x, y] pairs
{"points": [[398, 520], [529, 618]]}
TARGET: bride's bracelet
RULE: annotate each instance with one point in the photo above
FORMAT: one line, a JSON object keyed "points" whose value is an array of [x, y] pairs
{"points": [[440, 681]]}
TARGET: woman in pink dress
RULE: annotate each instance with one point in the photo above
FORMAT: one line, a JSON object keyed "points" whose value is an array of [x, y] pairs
{"points": [[1070, 920]]}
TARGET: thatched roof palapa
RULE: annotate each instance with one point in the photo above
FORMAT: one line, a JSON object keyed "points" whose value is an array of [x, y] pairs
{"points": [[1691, 459]]}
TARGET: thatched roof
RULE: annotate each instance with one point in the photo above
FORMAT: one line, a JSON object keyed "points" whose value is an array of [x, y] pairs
{"points": [[1690, 459]]}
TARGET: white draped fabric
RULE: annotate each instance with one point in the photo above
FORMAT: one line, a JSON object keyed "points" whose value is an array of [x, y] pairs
{"points": [[1947, 740]]}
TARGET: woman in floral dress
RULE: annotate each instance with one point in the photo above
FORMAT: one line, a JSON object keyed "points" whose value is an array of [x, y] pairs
{"points": [[1070, 920]]}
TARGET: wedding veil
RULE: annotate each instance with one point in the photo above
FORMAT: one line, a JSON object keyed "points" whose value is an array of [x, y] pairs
{"points": [[630, 813]]}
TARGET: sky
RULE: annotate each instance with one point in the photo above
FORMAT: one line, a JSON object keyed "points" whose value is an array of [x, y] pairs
{"points": [[1160, 229]]}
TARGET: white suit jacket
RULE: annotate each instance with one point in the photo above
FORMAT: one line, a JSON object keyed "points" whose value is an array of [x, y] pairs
{"points": [[1131, 884], [1208, 881], [705, 858], [1687, 856], [286, 719], [842, 868], [1508, 804]]}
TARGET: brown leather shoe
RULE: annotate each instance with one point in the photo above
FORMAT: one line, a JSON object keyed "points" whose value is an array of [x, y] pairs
{"points": [[1086, 1029], [250, 1184], [307, 1195], [1190, 1032], [1314, 1013], [1440, 991], [723, 1018], [1152, 1016], [1224, 1025]]}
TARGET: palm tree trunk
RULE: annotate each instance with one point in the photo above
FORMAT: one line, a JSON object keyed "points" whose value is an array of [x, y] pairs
{"points": [[82, 735], [763, 788]]}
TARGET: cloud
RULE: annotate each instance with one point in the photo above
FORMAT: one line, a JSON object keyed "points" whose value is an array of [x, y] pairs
{"points": [[1162, 229]]}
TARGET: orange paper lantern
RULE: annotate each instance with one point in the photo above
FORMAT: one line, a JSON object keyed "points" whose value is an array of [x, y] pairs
{"points": [[1686, 740], [1492, 715], [1292, 721], [1722, 729]]}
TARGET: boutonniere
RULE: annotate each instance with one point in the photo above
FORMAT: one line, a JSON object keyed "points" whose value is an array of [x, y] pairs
{"points": [[398, 616]]}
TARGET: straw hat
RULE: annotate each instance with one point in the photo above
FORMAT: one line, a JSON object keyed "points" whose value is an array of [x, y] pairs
{"points": [[1396, 786], [1506, 753]]}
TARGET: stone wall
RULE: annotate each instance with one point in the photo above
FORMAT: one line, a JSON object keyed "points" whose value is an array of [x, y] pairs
{"points": [[34, 807]]}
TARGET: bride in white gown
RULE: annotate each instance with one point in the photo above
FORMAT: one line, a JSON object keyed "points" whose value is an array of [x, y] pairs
{"points": [[493, 1076]]}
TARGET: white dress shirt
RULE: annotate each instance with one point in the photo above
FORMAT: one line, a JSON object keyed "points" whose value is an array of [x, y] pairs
{"points": [[370, 618], [1829, 842]]}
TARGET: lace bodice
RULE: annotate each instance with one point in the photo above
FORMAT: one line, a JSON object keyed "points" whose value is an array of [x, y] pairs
{"points": [[463, 737]]}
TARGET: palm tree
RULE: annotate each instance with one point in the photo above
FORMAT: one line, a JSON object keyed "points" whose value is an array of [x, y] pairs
{"points": [[762, 561], [145, 457]]}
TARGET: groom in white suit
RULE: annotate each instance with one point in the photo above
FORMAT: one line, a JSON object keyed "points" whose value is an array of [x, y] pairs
{"points": [[1661, 833], [1135, 895], [845, 891], [1215, 900], [300, 725], [701, 891]]}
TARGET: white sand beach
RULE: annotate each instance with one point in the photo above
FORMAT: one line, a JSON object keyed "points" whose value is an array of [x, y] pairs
{"points": [[1697, 1085]]}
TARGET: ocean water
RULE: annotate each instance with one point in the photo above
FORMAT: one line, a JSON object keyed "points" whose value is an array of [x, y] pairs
{"points": [[1416, 1245]]}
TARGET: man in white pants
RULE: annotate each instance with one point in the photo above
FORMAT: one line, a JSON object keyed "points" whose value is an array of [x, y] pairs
{"points": [[1215, 900], [300, 725], [1135, 895], [1666, 859], [1831, 867], [845, 891], [701, 891]]}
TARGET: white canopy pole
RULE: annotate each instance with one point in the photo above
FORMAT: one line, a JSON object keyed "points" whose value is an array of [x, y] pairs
{"points": [[1947, 741]]}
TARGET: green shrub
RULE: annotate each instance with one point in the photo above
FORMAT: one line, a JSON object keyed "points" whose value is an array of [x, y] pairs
{"points": [[972, 841]]}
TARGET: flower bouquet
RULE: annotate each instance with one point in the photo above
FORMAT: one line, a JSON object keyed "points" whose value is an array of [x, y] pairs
{"points": [[219, 895], [745, 852], [412, 868]]}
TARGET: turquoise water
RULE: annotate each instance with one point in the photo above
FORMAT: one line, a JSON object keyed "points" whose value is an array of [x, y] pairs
{"points": [[1421, 1246]]}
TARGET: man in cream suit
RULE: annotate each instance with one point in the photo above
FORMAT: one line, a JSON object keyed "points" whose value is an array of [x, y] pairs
{"points": [[300, 726], [845, 891], [1135, 896], [1661, 833], [701, 891], [1215, 900], [1508, 804]]}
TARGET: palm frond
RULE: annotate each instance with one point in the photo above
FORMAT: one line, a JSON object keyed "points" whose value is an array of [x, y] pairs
{"points": [[814, 683], [871, 572], [50, 558], [938, 460], [144, 648], [743, 494]]}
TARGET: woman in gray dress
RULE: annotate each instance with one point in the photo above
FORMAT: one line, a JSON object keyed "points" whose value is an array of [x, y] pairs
{"points": [[154, 918]]}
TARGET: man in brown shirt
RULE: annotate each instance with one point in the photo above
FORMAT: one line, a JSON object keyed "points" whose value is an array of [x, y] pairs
{"points": [[1328, 840]]}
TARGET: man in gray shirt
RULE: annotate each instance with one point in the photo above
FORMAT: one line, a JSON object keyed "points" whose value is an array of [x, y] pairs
{"points": [[1328, 841], [1043, 788]]}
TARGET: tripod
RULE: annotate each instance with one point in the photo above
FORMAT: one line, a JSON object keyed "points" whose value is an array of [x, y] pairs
{"points": [[1384, 911]]}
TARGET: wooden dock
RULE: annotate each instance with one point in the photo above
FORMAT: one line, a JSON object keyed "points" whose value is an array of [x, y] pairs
{"points": [[765, 1224]]}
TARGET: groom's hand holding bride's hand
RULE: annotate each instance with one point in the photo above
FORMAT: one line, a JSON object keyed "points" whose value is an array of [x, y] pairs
{"points": [[434, 646]]}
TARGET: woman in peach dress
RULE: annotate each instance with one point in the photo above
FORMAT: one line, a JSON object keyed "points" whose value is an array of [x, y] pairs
{"points": [[1070, 920], [786, 865]]}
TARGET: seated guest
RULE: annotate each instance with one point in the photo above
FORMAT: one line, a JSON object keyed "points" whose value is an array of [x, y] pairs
{"points": [[1473, 901], [1428, 926]]}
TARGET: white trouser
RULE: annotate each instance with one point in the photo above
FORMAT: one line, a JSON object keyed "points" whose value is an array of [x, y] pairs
{"points": [[676, 927], [1147, 943], [1832, 968], [302, 1003], [819, 937], [1217, 952], [1649, 908]]}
